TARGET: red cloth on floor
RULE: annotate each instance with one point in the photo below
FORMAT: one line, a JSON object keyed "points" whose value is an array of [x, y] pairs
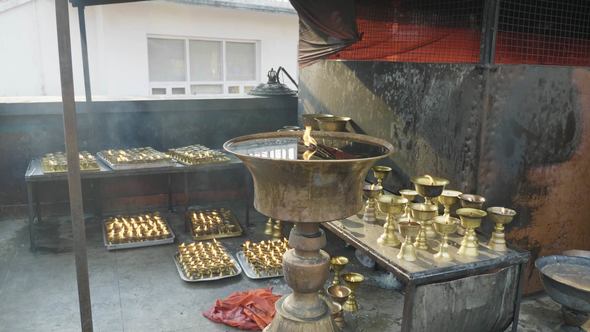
{"points": [[249, 310]]}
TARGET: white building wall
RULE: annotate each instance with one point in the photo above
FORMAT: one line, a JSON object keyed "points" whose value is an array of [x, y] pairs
{"points": [[117, 43]]}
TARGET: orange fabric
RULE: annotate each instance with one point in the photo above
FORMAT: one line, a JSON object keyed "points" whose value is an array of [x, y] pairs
{"points": [[250, 310]]}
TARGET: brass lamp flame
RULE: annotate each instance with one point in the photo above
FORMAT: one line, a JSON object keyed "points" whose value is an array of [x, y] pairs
{"points": [[309, 142]]}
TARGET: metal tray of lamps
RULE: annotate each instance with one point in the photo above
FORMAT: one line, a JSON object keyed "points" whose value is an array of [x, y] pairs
{"points": [[264, 259], [249, 271], [236, 269], [57, 162], [138, 242], [137, 158], [224, 224]]}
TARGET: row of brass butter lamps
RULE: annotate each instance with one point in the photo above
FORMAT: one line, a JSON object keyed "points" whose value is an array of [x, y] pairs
{"points": [[422, 220]]}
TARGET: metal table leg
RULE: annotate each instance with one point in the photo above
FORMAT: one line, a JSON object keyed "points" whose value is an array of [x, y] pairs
{"points": [[186, 198], [170, 193], [97, 184], [248, 195], [520, 286], [31, 210], [410, 292]]}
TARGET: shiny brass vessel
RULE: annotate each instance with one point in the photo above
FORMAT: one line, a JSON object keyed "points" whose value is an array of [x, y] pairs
{"points": [[309, 120], [422, 213], [307, 192], [394, 206], [337, 264], [408, 230], [352, 280], [500, 216], [372, 192], [444, 226], [470, 219], [429, 187]]}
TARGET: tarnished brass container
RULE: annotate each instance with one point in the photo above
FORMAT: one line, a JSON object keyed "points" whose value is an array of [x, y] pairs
{"points": [[310, 120], [429, 186], [309, 190], [334, 123]]}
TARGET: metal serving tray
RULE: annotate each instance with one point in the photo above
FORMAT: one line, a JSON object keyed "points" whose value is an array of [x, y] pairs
{"points": [[232, 219], [156, 164], [139, 244], [248, 270], [185, 278]]}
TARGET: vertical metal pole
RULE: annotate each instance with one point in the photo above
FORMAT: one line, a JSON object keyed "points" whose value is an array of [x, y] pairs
{"points": [[489, 31], [74, 182], [84, 46]]}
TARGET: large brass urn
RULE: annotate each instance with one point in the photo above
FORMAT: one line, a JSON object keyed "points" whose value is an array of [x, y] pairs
{"points": [[307, 192]]}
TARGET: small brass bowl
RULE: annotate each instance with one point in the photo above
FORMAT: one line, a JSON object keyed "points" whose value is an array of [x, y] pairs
{"points": [[501, 215], [334, 123], [339, 293], [449, 197], [472, 201], [423, 212], [471, 218], [339, 261], [409, 228], [409, 194], [444, 225], [309, 120], [429, 186], [372, 190]]}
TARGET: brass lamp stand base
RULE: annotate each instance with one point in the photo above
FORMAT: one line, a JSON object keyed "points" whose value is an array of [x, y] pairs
{"points": [[283, 321]]}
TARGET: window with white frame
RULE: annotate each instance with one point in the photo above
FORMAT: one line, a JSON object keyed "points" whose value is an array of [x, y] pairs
{"points": [[190, 66]]}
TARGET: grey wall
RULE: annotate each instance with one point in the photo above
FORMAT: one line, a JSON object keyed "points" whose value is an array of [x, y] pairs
{"points": [[29, 130], [516, 134]]}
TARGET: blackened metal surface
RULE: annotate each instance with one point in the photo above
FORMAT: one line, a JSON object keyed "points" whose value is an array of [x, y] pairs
{"points": [[430, 113], [517, 135]]}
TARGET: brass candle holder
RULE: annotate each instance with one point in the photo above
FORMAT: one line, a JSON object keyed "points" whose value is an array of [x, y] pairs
{"points": [[500, 216], [380, 173], [372, 192], [352, 280], [201, 260], [470, 219], [337, 264], [444, 225], [410, 195], [429, 187], [408, 230], [422, 213], [448, 198], [394, 206], [268, 227], [277, 230], [339, 295]]}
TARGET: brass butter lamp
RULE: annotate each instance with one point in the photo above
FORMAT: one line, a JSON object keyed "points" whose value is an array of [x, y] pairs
{"points": [[422, 213], [408, 230], [352, 280], [394, 206], [307, 192], [429, 187], [470, 201], [339, 294], [372, 192], [444, 225], [448, 198], [500, 216], [380, 173], [337, 264], [470, 219], [410, 195], [309, 120]]}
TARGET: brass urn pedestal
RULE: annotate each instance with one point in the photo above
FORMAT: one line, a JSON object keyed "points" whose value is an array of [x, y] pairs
{"points": [[307, 192]]}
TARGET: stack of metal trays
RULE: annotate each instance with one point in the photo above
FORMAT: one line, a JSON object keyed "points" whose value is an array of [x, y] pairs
{"points": [[210, 224], [133, 231], [137, 158], [261, 260], [205, 261]]}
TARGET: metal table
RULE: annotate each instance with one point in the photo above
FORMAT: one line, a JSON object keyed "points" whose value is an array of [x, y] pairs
{"points": [[35, 175], [466, 294]]}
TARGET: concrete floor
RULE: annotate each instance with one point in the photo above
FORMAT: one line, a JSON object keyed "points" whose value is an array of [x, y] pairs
{"points": [[140, 290]]}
